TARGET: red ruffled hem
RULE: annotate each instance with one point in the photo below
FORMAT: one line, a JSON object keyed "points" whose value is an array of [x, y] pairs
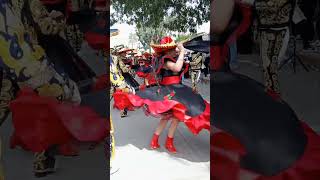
{"points": [[157, 108], [141, 74], [40, 122], [101, 83], [225, 159], [150, 78], [97, 41]]}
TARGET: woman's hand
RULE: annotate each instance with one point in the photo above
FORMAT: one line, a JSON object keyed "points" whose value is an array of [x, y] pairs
{"points": [[180, 48]]}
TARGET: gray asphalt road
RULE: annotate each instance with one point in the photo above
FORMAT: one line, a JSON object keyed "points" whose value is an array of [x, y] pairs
{"points": [[18, 163], [300, 90]]}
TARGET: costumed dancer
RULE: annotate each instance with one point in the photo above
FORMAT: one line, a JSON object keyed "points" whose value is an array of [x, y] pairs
{"points": [[43, 100], [117, 82], [120, 69], [273, 26], [254, 136], [145, 70], [170, 100], [195, 69], [273, 18]]}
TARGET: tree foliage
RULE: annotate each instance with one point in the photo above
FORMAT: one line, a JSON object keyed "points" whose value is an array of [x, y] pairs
{"points": [[179, 15], [182, 37], [147, 35]]}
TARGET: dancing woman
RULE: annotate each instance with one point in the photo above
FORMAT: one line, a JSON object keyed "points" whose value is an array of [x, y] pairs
{"points": [[145, 70], [170, 99]]}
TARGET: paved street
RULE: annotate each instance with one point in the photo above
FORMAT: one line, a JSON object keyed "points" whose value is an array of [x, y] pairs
{"points": [[135, 159], [18, 163], [300, 90]]}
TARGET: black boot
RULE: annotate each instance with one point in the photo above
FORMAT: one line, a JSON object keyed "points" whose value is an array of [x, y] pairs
{"points": [[124, 113], [44, 164]]}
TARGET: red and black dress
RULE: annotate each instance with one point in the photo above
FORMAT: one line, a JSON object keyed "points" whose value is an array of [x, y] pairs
{"points": [[146, 72], [170, 99], [256, 136]]}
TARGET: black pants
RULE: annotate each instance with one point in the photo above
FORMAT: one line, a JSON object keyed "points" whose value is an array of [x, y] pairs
{"points": [[306, 28]]}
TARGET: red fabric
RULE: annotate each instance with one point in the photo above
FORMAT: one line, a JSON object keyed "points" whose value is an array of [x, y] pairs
{"points": [[40, 122], [101, 83], [101, 5], [306, 168], [219, 53], [151, 79], [216, 59], [148, 76], [274, 95], [141, 74], [157, 108], [170, 80], [142, 87], [97, 41], [246, 12], [166, 40]]}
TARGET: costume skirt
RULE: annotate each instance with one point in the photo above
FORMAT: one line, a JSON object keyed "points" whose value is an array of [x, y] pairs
{"points": [[257, 137], [42, 122], [176, 100]]}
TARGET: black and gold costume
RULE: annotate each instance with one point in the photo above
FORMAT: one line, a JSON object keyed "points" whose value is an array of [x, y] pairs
{"points": [[195, 69], [120, 76], [273, 23], [28, 60]]}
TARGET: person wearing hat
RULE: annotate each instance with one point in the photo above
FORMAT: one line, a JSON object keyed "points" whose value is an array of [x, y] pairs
{"points": [[121, 77], [125, 62], [145, 70], [170, 99], [195, 69], [274, 18]]}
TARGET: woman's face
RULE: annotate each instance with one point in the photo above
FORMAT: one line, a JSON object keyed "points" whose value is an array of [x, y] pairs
{"points": [[172, 53]]}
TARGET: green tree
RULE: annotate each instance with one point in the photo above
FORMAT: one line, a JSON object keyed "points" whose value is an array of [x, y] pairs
{"points": [[180, 15], [147, 35], [132, 39], [182, 37]]}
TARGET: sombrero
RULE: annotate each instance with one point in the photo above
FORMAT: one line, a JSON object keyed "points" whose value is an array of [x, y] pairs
{"points": [[198, 43], [146, 55], [124, 50], [166, 43]]}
